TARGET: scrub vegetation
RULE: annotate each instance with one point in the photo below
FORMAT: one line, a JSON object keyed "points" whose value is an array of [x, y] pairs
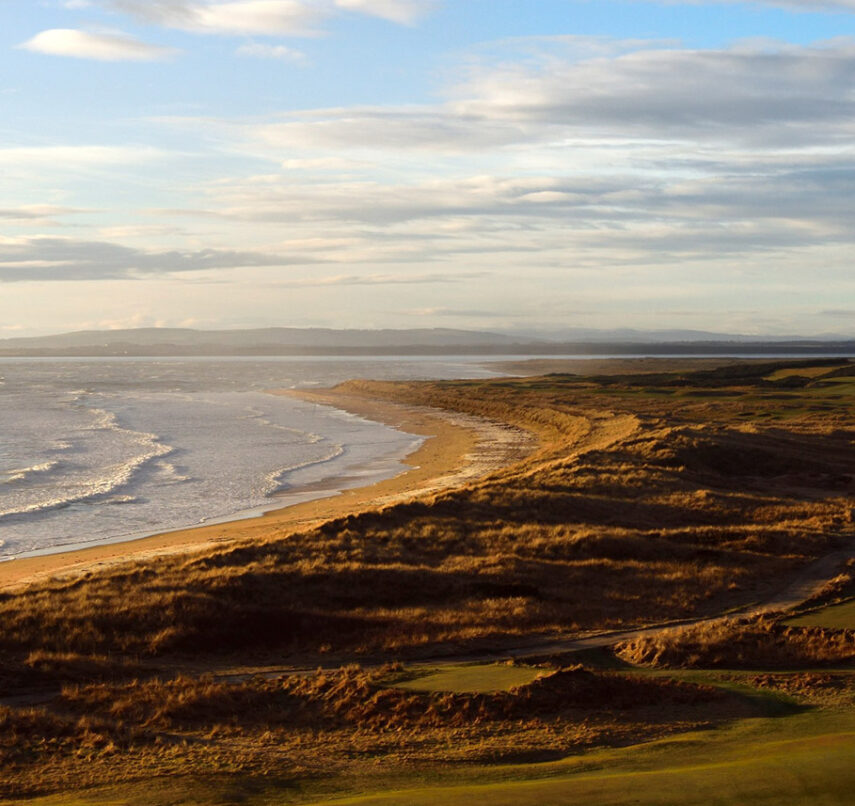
{"points": [[653, 498]]}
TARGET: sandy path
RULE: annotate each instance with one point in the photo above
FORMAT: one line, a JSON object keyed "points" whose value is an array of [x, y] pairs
{"points": [[458, 449], [807, 584]]}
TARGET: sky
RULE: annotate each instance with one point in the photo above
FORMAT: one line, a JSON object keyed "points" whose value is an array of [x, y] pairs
{"points": [[481, 164]]}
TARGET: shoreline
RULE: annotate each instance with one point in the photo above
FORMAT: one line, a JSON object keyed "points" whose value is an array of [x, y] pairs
{"points": [[456, 448]]}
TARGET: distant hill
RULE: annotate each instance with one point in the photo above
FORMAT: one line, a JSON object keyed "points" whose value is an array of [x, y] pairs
{"points": [[626, 335], [262, 341], [287, 341]]}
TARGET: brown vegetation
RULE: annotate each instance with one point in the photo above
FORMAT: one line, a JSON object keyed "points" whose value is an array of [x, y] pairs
{"points": [[355, 698], [814, 686], [646, 503], [347, 718], [653, 497], [759, 643]]}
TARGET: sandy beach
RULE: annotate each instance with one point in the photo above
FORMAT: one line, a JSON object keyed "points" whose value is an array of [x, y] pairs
{"points": [[457, 449]]}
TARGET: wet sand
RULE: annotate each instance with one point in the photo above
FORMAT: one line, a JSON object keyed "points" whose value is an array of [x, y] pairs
{"points": [[458, 449]]}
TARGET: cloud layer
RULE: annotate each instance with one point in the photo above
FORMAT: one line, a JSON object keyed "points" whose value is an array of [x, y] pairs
{"points": [[44, 258], [264, 17], [773, 96], [104, 47], [549, 175]]}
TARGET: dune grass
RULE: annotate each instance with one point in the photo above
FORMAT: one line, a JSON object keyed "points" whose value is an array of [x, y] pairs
{"points": [[756, 643]]}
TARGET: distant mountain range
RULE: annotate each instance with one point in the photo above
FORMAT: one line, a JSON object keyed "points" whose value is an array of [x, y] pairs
{"points": [[631, 335], [322, 341]]}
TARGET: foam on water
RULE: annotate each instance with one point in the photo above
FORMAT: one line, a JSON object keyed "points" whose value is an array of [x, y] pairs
{"points": [[100, 470], [25, 473]]}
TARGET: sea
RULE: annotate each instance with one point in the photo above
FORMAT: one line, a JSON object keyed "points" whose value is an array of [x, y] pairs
{"points": [[96, 450]]}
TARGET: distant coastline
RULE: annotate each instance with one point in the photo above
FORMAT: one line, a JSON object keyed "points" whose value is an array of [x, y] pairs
{"points": [[309, 342]]}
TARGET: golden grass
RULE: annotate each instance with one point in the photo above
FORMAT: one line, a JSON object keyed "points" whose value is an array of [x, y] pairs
{"points": [[758, 643]]}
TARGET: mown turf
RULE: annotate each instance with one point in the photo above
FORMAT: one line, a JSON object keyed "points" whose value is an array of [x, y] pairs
{"points": [[815, 773], [835, 617], [472, 678]]}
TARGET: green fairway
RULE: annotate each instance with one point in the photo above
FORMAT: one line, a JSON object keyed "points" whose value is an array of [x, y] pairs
{"points": [[816, 771], [472, 678], [821, 774], [836, 617]]}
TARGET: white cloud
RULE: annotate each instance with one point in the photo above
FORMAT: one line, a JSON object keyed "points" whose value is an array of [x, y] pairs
{"points": [[47, 258], [282, 53], [335, 164], [805, 5], [759, 93], [381, 279], [37, 212], [59, 158], [260, 17], [405, 12], [388, 128], [105, 47], [265, 17], [256, 16]]}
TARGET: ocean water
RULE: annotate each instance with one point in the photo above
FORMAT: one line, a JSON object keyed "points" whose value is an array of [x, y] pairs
{"points": [[100, 450]]}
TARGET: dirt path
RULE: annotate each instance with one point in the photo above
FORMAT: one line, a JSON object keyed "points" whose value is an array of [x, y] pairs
{"points": [[806, 585]]}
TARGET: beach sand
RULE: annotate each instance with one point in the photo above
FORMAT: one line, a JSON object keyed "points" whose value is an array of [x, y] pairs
{"points": [[458, 449]]}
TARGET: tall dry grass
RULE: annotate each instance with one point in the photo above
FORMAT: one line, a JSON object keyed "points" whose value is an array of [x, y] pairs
{"points": [[759, 643]]}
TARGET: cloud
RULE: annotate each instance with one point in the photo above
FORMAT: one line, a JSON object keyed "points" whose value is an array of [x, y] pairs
{"points": [[381, 128], [405, 12], [474, 313], [261, 17], [104, 47], [759, 93], [586, 220], [37, 212], [595, 161], [805, 5], [380, 279], [282, 53], [59, 159], [379, 204], [334, 164], [612, 176], [45, 258], [265, 17]]}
